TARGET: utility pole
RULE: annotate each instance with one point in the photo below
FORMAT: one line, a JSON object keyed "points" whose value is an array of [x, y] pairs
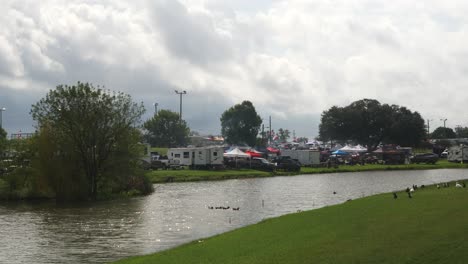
{"points": [[269, 138], [180, 112], [263, 134], [428, 131], [1, 116]]}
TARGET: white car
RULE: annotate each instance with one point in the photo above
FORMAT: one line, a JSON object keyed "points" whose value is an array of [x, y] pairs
{"points": [[444, 154]]}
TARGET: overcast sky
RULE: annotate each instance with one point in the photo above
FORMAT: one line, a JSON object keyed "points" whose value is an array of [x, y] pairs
{"points": [[293, 59]]}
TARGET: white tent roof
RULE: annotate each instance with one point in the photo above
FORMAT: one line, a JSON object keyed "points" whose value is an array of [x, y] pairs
{"points": [[236, 153], [357, 148]]}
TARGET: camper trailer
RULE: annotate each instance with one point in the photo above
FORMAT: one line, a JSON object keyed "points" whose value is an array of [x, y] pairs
{"points": [[305, 157], [458, 154], [208, 157], [183, 155], [198, 158]]}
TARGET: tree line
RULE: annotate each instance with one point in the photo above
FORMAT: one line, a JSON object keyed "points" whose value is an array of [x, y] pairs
{"points": [[88, 140]]}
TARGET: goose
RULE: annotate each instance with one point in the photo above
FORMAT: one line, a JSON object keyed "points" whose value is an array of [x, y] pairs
{"points": [[457, 185], [395, 195]]}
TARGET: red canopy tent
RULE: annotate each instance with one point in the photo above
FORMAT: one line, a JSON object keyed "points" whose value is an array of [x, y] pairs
{"points": [[254, 153]]}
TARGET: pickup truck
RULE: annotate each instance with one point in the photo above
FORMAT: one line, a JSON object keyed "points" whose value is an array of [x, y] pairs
{"points": [[165, 164], [429, 158], [285, 163]]}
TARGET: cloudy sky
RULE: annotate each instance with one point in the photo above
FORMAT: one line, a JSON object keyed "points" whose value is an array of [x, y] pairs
{"points": [[293, 59]]}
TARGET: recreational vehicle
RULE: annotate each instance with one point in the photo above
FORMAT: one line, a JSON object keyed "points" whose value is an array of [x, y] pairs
{"points": [[458, 154], [198, 158]]}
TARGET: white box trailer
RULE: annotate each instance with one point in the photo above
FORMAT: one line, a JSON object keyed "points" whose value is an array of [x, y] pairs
{"points": [[305, 157], [183, 155], [458, 154], [202, 157], [208, 157]]}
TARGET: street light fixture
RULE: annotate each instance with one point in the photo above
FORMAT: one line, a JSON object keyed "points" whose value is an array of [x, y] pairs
{"points": [[155, 108], [1, 114], [444, 119], [180, 112]]}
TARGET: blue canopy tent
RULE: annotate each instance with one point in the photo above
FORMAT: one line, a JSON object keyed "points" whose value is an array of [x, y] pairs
{"points": [[340, 152]]}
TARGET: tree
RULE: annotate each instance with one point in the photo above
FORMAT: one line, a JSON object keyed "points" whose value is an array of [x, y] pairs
{"points": [[240, 124], [3, 142], [443, 132], [462, 132], [86, 131], [283, 134], [369, 123], [165, 129]]}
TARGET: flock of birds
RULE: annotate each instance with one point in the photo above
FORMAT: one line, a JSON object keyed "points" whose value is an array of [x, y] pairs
{"points": [[224, 208], [408, 190], [411, 190]]}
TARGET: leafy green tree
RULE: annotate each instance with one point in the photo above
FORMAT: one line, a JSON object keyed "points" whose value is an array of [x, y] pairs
{"points": [[443, 132], [3, 142], [284, 134], [86, 130], [462, 132], [165, 129], [369, 123], [406, 128], [240, 124]]}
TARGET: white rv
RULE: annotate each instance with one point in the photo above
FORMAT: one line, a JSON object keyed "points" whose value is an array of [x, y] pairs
{"points": [[185, 156], [305, 157], [458, 154], [202, 157]]}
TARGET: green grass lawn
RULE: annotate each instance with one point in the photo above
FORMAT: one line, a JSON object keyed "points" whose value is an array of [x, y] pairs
{"points": [[181, 175], [160, 176], [431, 227]]}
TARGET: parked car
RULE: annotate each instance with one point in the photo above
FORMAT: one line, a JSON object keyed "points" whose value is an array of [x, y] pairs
{"points": [[262, 164], [444, 154], [287, 164], [429, 158]]}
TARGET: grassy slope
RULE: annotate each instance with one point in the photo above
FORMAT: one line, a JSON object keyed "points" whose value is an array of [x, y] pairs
{"points": [[429, 228]]}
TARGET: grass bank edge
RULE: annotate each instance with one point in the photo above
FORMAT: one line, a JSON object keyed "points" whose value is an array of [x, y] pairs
{"points": [[185, 175], [430, 227]]}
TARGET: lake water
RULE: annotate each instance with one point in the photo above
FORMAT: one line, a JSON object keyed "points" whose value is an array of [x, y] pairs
{"points": [[179, 212]]}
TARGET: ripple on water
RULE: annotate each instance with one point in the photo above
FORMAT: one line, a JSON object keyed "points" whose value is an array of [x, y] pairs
{"points": [[178, 213]]}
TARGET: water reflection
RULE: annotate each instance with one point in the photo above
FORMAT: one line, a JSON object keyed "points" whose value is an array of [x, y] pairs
{"points": [[178, 213]]}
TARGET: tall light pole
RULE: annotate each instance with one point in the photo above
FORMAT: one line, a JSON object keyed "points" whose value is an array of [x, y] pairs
{"points": [[1, 114], [155, 108], [445, 132], [444, 119], [180, 112]]}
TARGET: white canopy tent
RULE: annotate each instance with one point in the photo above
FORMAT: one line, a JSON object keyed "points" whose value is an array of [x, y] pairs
{"points": [[236, 153], [351, 149]]}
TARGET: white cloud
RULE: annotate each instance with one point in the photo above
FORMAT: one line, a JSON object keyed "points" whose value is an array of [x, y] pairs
{"points": [[292, 59]]}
